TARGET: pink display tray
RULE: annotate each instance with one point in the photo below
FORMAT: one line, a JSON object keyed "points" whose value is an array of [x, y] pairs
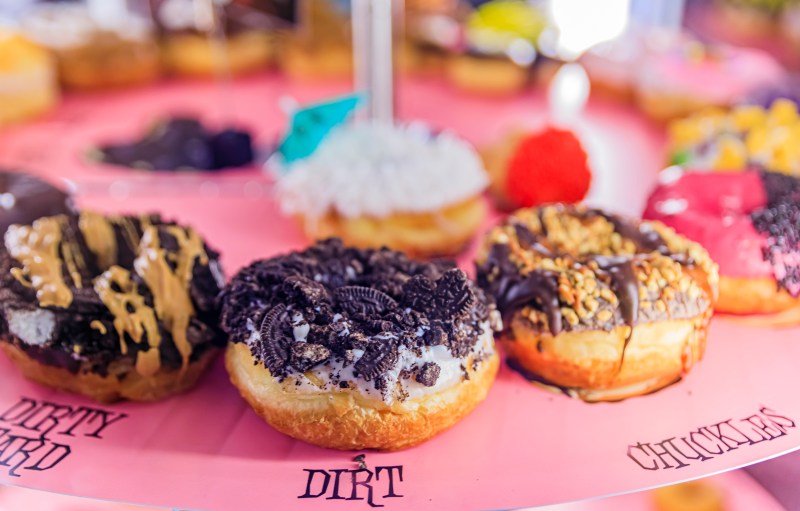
{"points": [[522, 447]]}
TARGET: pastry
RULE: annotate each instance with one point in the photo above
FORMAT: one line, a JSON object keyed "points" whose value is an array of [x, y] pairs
{"points": [[375, 184], [188, 37], [358, 349], [111, 307], [181, 143], [25, 198], [320, 46], [531, 169], [693, 76], [691, 496], [748, 136], [91, 55], [500, 48], [748, 223], [598, 306], [28, 85]]}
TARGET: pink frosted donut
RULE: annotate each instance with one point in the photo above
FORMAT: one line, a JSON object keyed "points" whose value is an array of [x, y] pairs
{"points": [[735, 216], [690, 77]]}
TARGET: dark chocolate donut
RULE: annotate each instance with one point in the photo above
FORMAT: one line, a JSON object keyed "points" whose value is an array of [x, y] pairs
{"points": [[122, 297], [24, 198]]}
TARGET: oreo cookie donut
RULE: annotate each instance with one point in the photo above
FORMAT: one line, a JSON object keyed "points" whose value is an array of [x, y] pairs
{"points": [[352, 349], [598, 306], [112, 307]]}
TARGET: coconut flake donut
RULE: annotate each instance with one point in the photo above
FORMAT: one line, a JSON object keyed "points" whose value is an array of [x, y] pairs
{"points": [[111, 307], [595, 305], [748, 223], [375, 184], [355, 349]]}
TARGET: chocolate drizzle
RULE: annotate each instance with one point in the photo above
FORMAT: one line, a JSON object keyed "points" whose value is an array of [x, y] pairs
{"points": [[527, 267], [354, 309]]}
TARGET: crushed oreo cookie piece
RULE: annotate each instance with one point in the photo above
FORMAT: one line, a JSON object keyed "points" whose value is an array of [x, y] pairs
{"points": [[305, 355], [418, 292], [379, 358], [273, 350], [364, 300], [453, 296], [428, 374], [304, 289]]}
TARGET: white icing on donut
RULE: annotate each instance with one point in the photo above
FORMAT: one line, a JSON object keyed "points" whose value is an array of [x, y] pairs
{"points": [[324, 377], [377, 170]]}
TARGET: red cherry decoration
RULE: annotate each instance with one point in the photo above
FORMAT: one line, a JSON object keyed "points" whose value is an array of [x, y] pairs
{"points": [[549, 166]]}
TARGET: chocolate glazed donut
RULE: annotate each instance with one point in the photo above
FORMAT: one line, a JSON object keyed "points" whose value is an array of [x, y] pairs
{"points": [[112, 307], [595, 305]]}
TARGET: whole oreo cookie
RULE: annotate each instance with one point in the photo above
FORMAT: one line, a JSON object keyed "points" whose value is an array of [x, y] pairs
{"points": [[371, 328], [109, 306]]}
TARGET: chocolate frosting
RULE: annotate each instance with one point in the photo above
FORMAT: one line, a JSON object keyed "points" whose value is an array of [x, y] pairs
{"points": [[83, 291], [575, 268], [182, 143], [24, 198], [329, 302]]}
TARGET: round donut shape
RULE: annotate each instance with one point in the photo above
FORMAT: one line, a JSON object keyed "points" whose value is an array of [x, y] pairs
{"points": [[597, 306], [112, 307], [740, 217], [358, 348]]}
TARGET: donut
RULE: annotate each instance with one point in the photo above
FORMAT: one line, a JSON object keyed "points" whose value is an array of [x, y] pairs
{"points": [[692, 76], [111, 307], [25, 198], [690, 496], [748, 223], [358, 348], [595, 305], [412, 189]]}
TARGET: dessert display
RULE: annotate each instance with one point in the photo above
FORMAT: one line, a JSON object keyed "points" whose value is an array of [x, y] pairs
{"points": [[598, 306], [181, 143], [694, 76], [500, 48], [374, 184], [111, 307], [28, 85], [91, 55], [531, 169], [748, 136], [189, 41], [25, 198], [355, 349], [748, 223]]}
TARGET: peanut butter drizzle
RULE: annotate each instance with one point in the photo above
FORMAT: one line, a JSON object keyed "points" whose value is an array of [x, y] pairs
{"points": [[99, 326], [98, 232], [132, 316], [73, 259], [170, 288], [36, 247]]}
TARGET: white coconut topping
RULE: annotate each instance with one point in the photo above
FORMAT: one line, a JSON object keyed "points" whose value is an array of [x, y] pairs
{"points": [[377, 169]]}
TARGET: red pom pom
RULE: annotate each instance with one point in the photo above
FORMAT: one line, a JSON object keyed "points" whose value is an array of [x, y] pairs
{"points": [[550, 166]]}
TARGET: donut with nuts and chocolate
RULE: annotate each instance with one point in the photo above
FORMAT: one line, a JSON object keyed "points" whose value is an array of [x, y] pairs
{"points": [[352, 349], [596, 305], [112, 307]]}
